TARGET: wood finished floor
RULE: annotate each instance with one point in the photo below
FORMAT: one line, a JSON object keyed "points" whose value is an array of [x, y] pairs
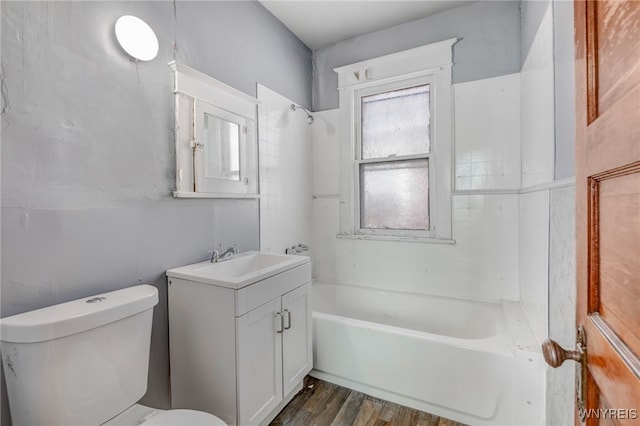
{"points": [[324, 404]]}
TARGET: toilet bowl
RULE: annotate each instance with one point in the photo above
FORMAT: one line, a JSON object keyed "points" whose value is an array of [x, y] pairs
{"points": [[86, 362]]}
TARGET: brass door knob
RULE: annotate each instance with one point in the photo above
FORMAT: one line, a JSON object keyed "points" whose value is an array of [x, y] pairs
{"points": [[555, 354]]}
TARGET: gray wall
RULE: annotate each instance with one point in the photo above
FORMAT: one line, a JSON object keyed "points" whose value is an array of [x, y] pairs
{"points": [[88, 149], [490, 45], [565, 98], [241, 43]]}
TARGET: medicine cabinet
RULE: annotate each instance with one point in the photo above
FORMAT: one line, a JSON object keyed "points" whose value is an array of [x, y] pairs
{"points": [[216, 137]]}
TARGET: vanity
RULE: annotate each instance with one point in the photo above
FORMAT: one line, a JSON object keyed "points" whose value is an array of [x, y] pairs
{"points": [[240, 335]]}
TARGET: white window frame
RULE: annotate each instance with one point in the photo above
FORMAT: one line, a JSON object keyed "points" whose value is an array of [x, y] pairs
{"points": [[382, 88], [431, 64]]}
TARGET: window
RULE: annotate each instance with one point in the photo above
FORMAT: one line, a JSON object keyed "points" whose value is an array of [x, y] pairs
{"points": [[396, 164], [393, 158]]}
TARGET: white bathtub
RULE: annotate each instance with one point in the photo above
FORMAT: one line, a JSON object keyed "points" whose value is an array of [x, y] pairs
{"points": [[473, 362]]}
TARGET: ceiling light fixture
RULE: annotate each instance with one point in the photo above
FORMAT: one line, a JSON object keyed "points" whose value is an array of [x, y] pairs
{"points": [[136, 38]]}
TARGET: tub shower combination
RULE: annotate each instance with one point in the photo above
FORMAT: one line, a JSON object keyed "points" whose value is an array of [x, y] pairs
{"points": [[474, 362]]}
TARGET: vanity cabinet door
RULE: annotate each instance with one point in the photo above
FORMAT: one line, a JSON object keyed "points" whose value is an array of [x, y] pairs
{"points": [[259, 339], [297, 356]]}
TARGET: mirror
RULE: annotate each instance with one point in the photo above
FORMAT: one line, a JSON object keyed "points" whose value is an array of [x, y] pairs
{"points": [[221, 148]]}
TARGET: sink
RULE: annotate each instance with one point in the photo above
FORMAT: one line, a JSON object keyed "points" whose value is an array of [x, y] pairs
{"points": [[239, 271], [242, 264]]}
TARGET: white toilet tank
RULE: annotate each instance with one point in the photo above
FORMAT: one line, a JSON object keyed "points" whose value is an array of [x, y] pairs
{"points": [[81, 362]]}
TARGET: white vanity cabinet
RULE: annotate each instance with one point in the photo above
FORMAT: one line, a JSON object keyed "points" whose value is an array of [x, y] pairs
{"points": [[240, 353], [274, 353]]}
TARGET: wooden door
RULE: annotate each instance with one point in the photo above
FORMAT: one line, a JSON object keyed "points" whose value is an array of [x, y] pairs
{"points": [[608, 205]]}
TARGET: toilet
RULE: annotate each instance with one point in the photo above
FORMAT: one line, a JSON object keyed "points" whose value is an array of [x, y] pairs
{"points": [[86, 362]]}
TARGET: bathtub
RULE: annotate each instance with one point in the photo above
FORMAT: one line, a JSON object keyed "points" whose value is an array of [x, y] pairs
{"points": [[473, 362]]}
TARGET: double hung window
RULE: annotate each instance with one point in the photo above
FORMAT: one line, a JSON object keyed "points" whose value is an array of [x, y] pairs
{"points": [[393, 158], [396, 145]]}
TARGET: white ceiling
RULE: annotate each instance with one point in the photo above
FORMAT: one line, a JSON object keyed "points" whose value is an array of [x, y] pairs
{"points": [[322, 23]]}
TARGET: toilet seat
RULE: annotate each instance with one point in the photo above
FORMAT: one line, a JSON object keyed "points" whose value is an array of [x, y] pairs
{"points": [[139, 414], [183, 418]]}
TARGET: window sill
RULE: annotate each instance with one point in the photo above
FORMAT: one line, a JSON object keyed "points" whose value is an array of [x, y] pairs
{"points": [[184, 194], [397, 238]]}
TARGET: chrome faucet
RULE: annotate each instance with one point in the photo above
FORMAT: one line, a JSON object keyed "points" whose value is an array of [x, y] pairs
{"points": [[216, 256]]}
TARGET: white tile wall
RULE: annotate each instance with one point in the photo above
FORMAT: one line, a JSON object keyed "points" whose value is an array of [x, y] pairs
{"points": [[285, 178], [487, 133], [483, 264], [504, 140], [534, 260], [562, 300], [537, 107], [325, 153]]}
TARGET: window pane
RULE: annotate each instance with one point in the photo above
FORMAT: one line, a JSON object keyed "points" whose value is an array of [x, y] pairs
{"points": [[396, 123], [395, 195]]}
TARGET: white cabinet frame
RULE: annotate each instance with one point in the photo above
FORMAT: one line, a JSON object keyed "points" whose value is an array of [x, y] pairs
{"points": [[259, 340], [191, 88], [274, 354]]}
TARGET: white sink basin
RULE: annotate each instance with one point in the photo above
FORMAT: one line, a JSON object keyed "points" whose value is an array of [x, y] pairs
{"points": [[239, 271]]}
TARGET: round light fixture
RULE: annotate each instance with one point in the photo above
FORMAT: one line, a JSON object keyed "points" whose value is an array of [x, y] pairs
{"points": [[136, 38]]}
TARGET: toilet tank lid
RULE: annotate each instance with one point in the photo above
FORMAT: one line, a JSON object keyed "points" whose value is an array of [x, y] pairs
{"points": [[78, 315]]}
